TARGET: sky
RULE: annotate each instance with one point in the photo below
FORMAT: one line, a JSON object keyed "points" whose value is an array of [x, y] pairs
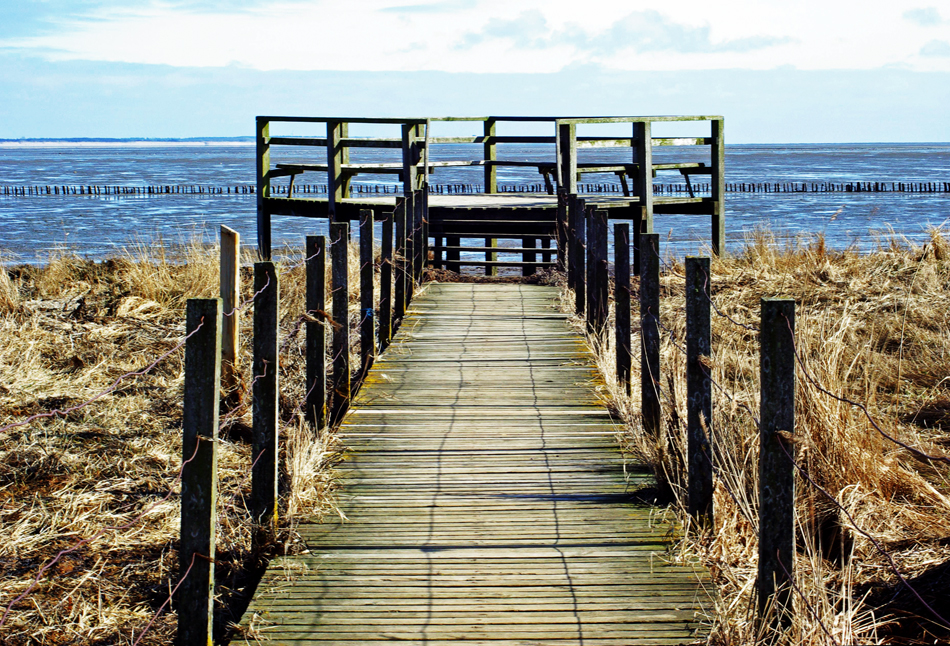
{"points": [[808, 71]]}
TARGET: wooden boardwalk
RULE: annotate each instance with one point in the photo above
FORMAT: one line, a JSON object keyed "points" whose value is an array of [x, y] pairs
{"points": [[486, 500]]}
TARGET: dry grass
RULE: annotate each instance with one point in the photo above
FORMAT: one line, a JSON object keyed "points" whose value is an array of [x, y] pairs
{"points": [[873, 328], [71, 328]]}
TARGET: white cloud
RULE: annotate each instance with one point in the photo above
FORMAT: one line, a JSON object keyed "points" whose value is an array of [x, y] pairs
{"points": [[936, 48], [501, 35]]}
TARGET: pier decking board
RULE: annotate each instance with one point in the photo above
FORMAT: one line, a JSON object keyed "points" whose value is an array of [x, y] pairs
{"points": [[485, 498]]}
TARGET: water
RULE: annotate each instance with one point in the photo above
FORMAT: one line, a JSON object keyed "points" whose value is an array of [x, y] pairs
{"points": [[96, 226]]}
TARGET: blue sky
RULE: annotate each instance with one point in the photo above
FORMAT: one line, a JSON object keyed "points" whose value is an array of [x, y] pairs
{"points": [[779, 72]]}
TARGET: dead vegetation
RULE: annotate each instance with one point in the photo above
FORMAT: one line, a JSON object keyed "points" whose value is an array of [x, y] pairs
{"points": [[872, 328], [71, 329]]}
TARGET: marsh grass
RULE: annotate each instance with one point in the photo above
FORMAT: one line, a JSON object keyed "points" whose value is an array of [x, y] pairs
{"points": [[69, 329], [870, 327]]}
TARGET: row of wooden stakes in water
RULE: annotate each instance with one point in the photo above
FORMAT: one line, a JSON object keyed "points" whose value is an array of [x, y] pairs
{"points": [[460, 189]]}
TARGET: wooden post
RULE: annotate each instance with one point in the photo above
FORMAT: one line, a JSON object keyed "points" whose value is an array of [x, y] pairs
{"points": [[410, 245], [622, 305], [454, 255], [643, 220], [420, 246], [529, 256], [345, 178], [546, 244], [409, 159], [650, 333], [579, 255], [386, 284], [402, 277], [598, 287], [264, 392], [491, 256], [335, 182], [316, 252], [563, 227], [199, 481], [566, 146], [699, 391], [230, 301], [263, 188], [367, 296], [718, 164], [491, 176], [339, 250], [776, 470]]}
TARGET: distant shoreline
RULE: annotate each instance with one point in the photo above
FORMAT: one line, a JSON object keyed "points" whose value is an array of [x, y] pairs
{"points": [[134, 141]]}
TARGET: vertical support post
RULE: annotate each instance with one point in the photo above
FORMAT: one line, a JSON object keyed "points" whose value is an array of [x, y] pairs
{"points": [[699, 391], [579, 255], [367, 296], [491, 256], [566, 138], [263, 188], [230, 300], [345, 178], [650, 333], [546, 244], [409, 160], [453, 255], [563, 227], [386, 284], [491, 173], [597, 276], [718, 164], [264, 392], [643, 219], [199, 480], [402, 278], [410, 244], [339, 251], [776, 470], [420, 246], [622, 305], [529, 256], [335, 181], [316, 413]]}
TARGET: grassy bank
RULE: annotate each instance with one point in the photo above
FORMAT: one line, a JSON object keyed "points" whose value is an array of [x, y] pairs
{"points": [[871, 328], [71, 330]]}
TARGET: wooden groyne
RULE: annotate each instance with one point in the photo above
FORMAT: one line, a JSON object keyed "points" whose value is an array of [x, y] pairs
{"points": [[472, 189], [484, 496]]}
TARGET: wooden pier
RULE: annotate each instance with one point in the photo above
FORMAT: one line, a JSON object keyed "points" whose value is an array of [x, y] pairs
{"points": [[485, 498], [565, 157]]}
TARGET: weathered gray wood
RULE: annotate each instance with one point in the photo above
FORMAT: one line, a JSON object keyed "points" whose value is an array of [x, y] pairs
{"points": [[386, 283], [490, 257], [339, 253], [419, 241], [265, 391], [776, 468], [622, 305], [485, 497], [452, 256], [199, 479], [529, 257], [262, 162], [599, 286], [650, 333], [643, 156], [316, 253], [230, 276], [367, 292], [401, 263], [566, 145], [563, 229], [335, 183], [579, 253], [410, 252], [699, 427], [718, 187]]}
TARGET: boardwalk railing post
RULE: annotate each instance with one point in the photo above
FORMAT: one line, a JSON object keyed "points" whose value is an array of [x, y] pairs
{"points": [[367, 296], [491, 171], [563, 230], [528, 257], [265, 401], [718, 187], [643, 220], [386, 283], [491, 256], [339, 250], [579, 255], [199, 480], [402, 275], [316, 255], [419, 243], [231, 299], [699, 391], [622, 304], [776, 469], [650, 333], [409, 203], [263, 187], [598, 287]]}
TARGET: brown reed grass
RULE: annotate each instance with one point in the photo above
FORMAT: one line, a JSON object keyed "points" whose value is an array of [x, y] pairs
{"points": [[69, 329], [872, 328]]}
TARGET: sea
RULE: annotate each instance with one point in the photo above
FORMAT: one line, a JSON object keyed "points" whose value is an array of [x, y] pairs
{"points": [[98, 226]]}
